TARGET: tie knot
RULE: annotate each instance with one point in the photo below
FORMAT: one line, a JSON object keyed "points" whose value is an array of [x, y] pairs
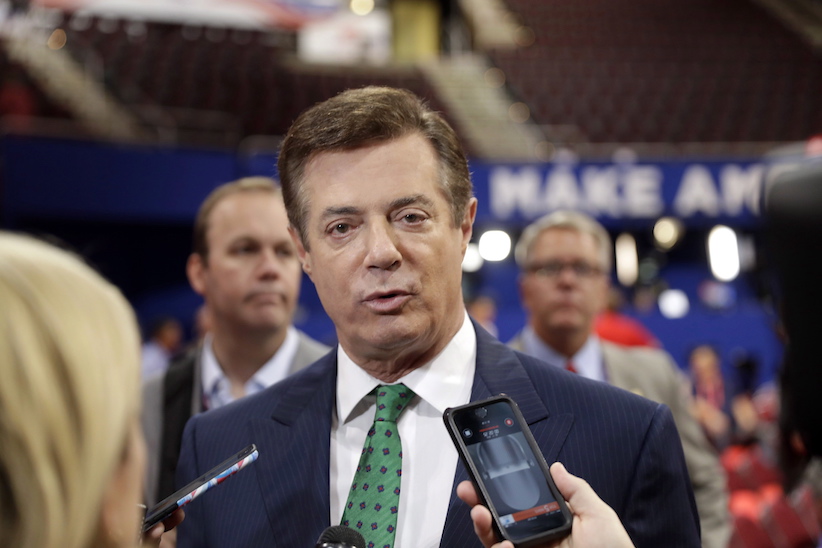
{"points": [[391, 400]]}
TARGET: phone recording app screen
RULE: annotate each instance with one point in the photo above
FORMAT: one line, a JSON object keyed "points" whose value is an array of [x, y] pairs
{"points": [[509, 469]]}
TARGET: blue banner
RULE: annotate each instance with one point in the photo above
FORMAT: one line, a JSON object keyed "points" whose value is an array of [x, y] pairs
{"points": [[74, 178], [621, 195]]}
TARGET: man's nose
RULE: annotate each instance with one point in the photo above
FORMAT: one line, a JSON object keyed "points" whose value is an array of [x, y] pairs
{"points": [[270, 264], [567, 275], [382, 246]]}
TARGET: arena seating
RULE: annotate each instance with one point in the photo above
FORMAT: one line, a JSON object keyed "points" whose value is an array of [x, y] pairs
{"points": [[189, 71], [665, 71], [763, 515]]}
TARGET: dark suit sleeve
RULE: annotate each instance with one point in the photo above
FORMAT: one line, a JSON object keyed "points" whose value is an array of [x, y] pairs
{"points": [[660, 505], [190, 533]]}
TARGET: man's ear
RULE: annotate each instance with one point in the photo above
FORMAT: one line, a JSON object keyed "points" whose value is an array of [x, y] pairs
{"points": [[195, 269], [467, 225], [302, 252]]}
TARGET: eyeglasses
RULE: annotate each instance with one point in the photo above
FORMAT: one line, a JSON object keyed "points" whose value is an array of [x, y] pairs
{"points": [[553, 269]]}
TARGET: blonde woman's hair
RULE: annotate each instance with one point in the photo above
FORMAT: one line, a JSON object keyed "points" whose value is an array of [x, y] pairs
{"points": [[69, 387]]}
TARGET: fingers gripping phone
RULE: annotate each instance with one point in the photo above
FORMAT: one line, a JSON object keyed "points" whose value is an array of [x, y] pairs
{"points": [[213, 477], [508, 471]]}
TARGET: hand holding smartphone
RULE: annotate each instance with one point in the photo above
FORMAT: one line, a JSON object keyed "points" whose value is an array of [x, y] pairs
{"points": [[508, 471], [213, 477]]}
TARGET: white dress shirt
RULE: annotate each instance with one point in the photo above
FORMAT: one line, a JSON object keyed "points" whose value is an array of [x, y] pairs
{"points": [[429, 457], [587, 361], [216, 386]]}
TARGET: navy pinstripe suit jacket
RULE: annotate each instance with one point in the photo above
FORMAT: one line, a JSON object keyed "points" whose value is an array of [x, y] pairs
{"points": [[625, 446]]}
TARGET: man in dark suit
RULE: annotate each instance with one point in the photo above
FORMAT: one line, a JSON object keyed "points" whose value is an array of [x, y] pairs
{"points": [[245, 266], [381, 210], [565, 258]]}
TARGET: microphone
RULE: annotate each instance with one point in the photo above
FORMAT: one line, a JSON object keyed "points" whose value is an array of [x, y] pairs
{"points": [[340, 536]]}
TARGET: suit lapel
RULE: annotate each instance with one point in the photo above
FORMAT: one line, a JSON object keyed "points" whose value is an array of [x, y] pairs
{"points": [[294, 446], [499, 371], [178, 391]]}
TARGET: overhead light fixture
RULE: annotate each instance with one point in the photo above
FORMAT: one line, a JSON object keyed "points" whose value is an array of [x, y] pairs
{"points": [[362, 7], [472, 260], [495, 245], [627, 259], [723, 253], [674, 304], [57, 39], [667, 232]]}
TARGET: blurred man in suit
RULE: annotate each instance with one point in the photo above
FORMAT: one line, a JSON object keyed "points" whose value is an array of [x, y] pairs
{"points": [[566, 258], [165, 338], [380, 203], [246, 268]]}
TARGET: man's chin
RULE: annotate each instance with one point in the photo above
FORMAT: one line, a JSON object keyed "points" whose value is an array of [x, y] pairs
{"points": [[269, 322], [390, 334], [566, 326]]}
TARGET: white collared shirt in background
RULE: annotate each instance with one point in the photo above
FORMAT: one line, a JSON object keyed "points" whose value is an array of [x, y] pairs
{"points": [[429, 456], [216, 387]]}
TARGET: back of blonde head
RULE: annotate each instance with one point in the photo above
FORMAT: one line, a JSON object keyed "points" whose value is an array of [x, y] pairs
{"points": [[69, 351]]}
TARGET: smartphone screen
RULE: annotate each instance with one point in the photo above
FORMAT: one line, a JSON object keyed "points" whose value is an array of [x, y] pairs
{"points": [[213, 477], [509, 471]]}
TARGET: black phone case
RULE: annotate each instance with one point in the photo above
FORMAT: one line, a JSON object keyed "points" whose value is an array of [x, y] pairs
{"points": [[532, 541]]}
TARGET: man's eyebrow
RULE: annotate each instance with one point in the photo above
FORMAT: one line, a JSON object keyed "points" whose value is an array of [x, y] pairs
{"points": [[242, 238], [342, 210], [396, 204], [411, 200]]}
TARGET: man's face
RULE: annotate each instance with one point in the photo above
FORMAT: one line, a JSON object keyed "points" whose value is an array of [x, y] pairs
{"points": [[382, 249], [251, 278], [704, 364], [571, 289]]}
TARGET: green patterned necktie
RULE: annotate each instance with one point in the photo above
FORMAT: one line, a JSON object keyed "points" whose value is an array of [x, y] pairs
{"points": [[374, 499]]}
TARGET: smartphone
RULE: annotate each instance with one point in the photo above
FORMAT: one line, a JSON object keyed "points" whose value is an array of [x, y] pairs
{"points": [[508, 470], [213, 477]]}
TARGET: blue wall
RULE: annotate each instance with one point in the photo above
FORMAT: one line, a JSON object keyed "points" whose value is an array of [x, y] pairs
{"points": [[129, 209]]}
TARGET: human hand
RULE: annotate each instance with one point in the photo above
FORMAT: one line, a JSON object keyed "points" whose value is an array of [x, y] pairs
{"points": [[595, 523], [164, 534]]}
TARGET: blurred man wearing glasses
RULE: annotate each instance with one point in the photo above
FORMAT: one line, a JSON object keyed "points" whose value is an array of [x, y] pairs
{"points": [[565, 260]]}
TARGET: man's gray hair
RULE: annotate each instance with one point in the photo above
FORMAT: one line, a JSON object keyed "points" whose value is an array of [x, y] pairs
{"points": [[567, 220]]}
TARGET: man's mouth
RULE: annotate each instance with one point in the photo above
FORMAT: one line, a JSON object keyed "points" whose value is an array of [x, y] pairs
{"points": [[387, 302], [267, 296]]}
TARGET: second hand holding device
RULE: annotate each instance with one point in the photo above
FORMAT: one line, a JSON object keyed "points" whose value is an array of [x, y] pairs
{"points": [[509, 472]]}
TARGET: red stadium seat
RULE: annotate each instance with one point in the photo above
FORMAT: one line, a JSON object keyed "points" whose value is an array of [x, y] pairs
{"points": [[747, 533], [785, 527]]}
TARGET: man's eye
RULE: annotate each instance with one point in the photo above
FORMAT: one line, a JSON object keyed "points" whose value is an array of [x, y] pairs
{"points": [[340, 228], [413, 218]]}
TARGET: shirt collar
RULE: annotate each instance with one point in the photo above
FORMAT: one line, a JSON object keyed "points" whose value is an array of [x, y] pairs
{"points": [[587, 361], [443, 382], [272, 371], [211, 369]]}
